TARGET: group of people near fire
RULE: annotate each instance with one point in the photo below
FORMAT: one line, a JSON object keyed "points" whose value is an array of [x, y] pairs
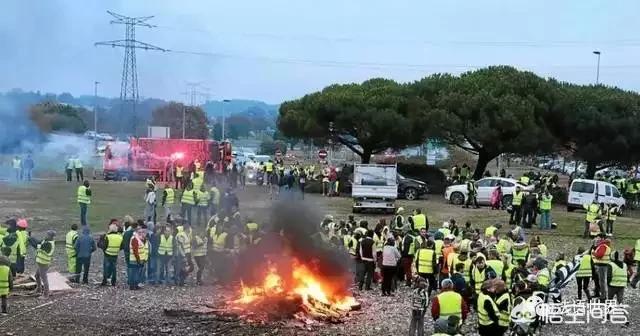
{"points": [[459, 269]]}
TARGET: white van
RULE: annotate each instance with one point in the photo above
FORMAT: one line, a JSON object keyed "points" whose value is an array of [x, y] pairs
{"points": [[584, 191]]}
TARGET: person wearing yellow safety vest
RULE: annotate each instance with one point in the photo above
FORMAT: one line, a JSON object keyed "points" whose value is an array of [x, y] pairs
{"points": [[168, 199], [84, 199], [545, 210], [480, 272], [488, 312], [616, 278], [204, 199], [138, 257], [44, 255], [593, 212], [462, 258], [70, 242], [17, 168], [182, 255], [611, 215], [215, 199], [448, 303], [497, 264], [420, 221], [520, 251], [189, 200], [23, 237], [77, 165], [543, 276], [407, 252], [199, 253], [6, 279], [504, 304], [601, 257], [165, 254], [472, 194], [516, 205], [268, 169], [584, 272], [636, 259], [426, 264], [111, 247], [490, 231], [179, 175]]}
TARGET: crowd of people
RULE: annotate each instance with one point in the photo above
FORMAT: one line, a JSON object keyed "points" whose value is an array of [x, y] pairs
{"points": [[459, 270]]}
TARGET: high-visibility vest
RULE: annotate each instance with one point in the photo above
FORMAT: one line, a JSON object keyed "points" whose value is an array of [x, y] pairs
{"points": [[252, 227], [465, 245], [438, 248], [503, 247], [170, 196], [197, 182], [465, 270], [504, 315], [545, 202], [524, 179], [412, 246], [517, 198], [378, 242], [78, 163], [544, 251], [354, 243], [17, 163], [425, 259], [612, 213], [445, 231], [520, 254], [557, 265], [478, 278], [636, 255], [70, 243], [420, 221], [166, 245], [543, 277], [188, 197], [220, 242], [82, 195], [618, 275], [203, 198], [114, 242], [450, 304], [13, 255], [507, 274], [268, 167], [143, 251], [5, 273], [488, 232], [42, 257], [497, 266], [215, 195], [184, 243], [605, 258], [592, 212], [23, 238], [584, 270], [483, 315], [200, 247]]}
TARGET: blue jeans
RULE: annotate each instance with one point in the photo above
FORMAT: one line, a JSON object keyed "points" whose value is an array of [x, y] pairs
{"points": [[83, 214], [163, 271], [152, 269], [186, 212], [545, 219], [110, 265], [133, 273]]}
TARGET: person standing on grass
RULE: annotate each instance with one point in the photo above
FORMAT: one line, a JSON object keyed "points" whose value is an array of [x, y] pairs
{"points": [[112, 247], [6, 279], [545, 210], [84, 246], [390, 259], [419, 303], [77, 165], [150, 204], [68, 168], [168, 198], [616, 278], [44, 255], [84, 199], [17, 168]]}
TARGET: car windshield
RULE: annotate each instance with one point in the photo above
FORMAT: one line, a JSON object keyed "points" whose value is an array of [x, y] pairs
{"points": [[583, 187]]}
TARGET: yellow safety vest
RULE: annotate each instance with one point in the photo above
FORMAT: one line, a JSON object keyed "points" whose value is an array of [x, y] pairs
{"points": [[143, 251], [504, 315], [517, 198], [220, 242], [114, 242], [354, 243], [445, 231], [497, 265], [592, 212], [252, 227], [5, 273], [82, 195], [184, 242], [488, 232], [557, 265], [543, 277], [584, 270], [544, 251], [545, 202], [503, 246], [412, 246], [69, 243], [197, 182], [166, 245], [450, 304], [612, 213], [507, 274], [438, 248], [200, 248], [636, 255], [42, 257], [268, 167], [519, 254], [605, 259], [419, 221], [170, 196], [203, 198], [188, 197], [17, 163], [23, 237], [215, 195], [465, 270], [618, 275], [479, 278], [425, 261], [13, 256], [483, 315]]}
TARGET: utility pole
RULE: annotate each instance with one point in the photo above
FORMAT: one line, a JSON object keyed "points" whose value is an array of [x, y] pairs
{"points": [[596, 52], [129, 82], [224, 103], [95, 107]]}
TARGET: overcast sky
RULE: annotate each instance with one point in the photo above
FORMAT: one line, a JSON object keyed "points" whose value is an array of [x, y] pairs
{"points": [[281, 49]]}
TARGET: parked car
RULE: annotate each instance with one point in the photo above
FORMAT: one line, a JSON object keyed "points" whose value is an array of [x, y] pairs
{"points": [[411, 189], [583, 191], [457, 194]]}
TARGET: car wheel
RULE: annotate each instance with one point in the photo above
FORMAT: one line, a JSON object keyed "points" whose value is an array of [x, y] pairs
{"points": [[507, 200], [457, 198], [410, 194]]}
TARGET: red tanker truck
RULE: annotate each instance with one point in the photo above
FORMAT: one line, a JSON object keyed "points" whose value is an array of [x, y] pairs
{"points": [[143, 157]]}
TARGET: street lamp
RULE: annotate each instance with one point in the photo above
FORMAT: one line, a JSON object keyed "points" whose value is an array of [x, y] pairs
{"points": [[224, 102], [596, 52]]}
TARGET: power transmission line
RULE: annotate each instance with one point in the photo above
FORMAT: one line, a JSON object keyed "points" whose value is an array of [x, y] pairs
{"points": [[129, 81]]}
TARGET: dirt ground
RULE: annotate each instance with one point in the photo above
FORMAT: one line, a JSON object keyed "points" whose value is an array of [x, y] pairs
{"points": [[94, 310]]}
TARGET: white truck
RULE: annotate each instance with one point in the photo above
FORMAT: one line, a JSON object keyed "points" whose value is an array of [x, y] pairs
{"points": [[374, 186]]}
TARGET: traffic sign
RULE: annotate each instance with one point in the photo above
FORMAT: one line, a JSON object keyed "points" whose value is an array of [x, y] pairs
{"points": [[322, 154]]}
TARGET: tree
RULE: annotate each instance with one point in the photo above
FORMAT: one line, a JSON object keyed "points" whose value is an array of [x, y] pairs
{"points": [[269, 147], [289, 141], [171, 115], [488, 112], [55, 117], [367, 118], [598, 124]]}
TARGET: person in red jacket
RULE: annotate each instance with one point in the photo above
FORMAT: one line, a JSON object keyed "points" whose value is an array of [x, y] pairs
{"points": [[601, 256], [447, 286]]}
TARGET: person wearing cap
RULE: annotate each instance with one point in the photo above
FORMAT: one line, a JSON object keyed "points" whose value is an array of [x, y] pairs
{"points": [[448, 303], [84, 246], [6, 279], [23, 237], [616, 278], [84, 199], [44, 255], [390, 259], [112, 246]]}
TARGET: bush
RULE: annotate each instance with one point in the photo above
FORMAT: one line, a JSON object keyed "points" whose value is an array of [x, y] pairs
{"points": [[433, 176]]}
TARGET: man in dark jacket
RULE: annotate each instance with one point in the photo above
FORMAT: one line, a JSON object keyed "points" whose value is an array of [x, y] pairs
{"points": [[529, 210], [85, 246], [367, 255], [126, 239]]}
